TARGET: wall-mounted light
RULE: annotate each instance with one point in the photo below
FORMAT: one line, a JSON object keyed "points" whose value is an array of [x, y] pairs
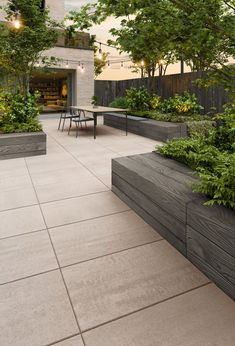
{"points": [[108, 64], [37, 64], [82, 68], [67, 65], [161, 62], [122, 65], [79, 65], [142, 63]]}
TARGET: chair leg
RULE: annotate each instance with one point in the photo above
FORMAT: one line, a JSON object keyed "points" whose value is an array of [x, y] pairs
{"points": [[60, 122], [77, 128], [63, 125], [70, 125]]}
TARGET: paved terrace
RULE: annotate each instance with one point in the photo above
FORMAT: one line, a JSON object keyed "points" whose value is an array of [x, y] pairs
{"points": [[78, 267]]}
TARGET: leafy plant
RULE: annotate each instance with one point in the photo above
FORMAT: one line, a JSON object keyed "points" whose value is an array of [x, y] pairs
{"points": [[94, 100], [185, 104], [19, 112], [215, 168], [224, 136], [200, 128], [138, 99], [155, 102], [32, 125], [119, 102]]}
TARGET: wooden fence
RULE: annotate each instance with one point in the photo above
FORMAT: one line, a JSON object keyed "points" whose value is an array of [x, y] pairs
{"points": [[167, 86]]}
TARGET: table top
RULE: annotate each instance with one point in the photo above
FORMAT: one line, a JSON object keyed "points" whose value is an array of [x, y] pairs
{"points": [[98, 109]]}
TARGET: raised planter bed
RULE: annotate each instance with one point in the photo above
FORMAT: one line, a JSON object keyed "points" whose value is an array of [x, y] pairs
{"points": [[16, 145], [155, 187], [157, 130]]}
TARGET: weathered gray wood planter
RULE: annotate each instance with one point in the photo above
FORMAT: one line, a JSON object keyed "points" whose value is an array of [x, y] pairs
{"points": [[16, 145], [155, 187], [157, 130]]}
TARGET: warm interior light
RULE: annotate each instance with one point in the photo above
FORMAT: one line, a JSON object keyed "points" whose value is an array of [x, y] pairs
{"points": [[142, 62], [16, 23]]}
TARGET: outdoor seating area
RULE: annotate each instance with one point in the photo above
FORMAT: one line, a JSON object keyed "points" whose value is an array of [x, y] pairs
{"points": [[78, 264]]}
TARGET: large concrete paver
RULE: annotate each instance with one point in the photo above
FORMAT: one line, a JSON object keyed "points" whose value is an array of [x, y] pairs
{"points": [[35, 311], [26, 255], [75, 341], [18, 221], [203, 317], [98, 237], [82, 208], [112, 286]]}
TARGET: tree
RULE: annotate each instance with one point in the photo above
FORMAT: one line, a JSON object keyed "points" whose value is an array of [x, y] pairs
{"points": [[23, 46]]}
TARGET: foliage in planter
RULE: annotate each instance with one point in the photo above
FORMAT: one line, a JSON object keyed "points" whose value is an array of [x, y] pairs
{"points": [[200, 128], [185, 104], [175, 118], [19, 113], [213, 158], [119, 102], [138, 99]]}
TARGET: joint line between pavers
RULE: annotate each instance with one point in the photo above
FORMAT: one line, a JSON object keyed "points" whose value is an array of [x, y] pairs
{"points": [[66, 288]]}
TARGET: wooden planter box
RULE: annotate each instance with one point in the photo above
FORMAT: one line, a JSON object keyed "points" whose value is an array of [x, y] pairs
{"points": [[157, 130], [155, 187], [16, 145]]}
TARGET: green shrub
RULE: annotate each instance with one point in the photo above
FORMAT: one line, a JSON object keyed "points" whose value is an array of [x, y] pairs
{"points": [[200, 128], [215, 168], [224, 136], [32, 125], [119, 102], [138, 99], [155, 102], [19, 113], [186, 104]]}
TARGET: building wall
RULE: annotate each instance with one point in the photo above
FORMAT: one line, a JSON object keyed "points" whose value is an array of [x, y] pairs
{"points": [[84, 81]]}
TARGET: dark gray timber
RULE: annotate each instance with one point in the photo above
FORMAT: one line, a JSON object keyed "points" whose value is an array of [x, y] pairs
{"points": [[16, 145], [157, 189], [157, 130]]}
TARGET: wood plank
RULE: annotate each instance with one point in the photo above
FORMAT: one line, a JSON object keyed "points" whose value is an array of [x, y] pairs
{"points": [[212, 274], [216, 223], [154, 223], [211, 255], [161, 168], [165, 192], [18, 138], [170, 223]]}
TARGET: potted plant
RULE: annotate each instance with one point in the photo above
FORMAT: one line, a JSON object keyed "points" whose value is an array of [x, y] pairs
{"points": [[94, 101]]}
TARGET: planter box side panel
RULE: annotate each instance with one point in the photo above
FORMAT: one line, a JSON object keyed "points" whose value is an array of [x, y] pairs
{"points": [[22, 145]]}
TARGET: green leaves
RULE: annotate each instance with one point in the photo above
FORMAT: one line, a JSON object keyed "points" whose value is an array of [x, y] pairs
{"points": [[213, 158]]}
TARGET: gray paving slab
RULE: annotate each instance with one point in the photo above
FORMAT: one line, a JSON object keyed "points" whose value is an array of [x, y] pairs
{"points": [[17, 198], [35, 311], [82, 208], [98, 237], [112, 286], [26, 255], [205, 316], [75, 341], [19, 221]]}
